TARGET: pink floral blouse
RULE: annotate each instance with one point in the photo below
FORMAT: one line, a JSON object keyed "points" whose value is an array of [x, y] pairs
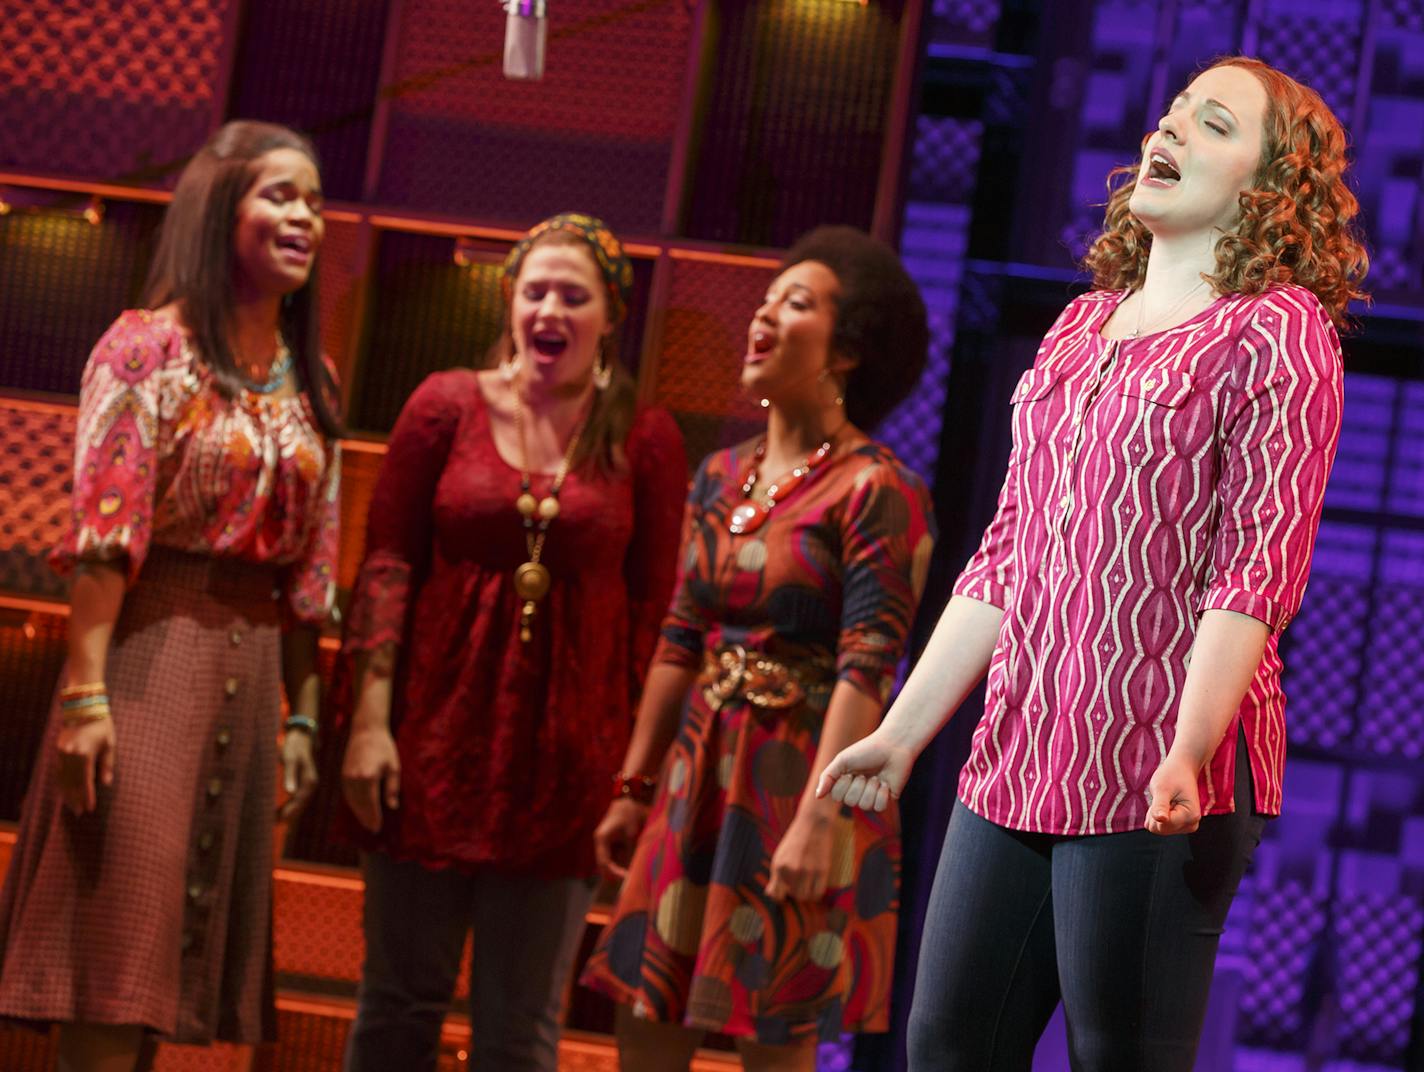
{"points": [[160, 457]]}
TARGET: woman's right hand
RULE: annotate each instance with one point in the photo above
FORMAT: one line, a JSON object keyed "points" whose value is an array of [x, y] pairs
{"points": [[370, 773], [868, 774], [85, 749], [616, 836]]}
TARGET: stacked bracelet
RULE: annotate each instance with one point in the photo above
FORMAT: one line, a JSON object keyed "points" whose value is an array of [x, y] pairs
{"points": [[637, 787], [82, 704], [301, 722]]}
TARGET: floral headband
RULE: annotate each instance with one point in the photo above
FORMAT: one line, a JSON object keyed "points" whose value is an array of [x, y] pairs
{"points": [[613, 263]]}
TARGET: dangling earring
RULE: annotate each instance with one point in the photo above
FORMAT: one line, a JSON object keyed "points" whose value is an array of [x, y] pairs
{"points": [[602, 371], [509, 367], [826, 375]]}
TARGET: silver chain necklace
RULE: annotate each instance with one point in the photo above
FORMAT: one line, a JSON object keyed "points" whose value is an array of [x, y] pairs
{"points": [[1142, 306]]}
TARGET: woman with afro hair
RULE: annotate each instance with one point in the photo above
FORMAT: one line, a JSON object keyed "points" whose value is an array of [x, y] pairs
{"points": [[749, 907]]}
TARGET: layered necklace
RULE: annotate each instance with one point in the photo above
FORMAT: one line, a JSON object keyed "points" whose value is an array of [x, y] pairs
{"points": [[752, 513], [531, 579], [276, 372]]}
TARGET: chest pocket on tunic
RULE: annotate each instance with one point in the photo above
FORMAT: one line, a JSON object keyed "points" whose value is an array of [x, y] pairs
{"points": [[1151, 402], [1031, 417]]}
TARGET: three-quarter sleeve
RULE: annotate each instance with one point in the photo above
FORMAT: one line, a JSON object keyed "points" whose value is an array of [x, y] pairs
{"points": [[684, 626], [989, 575], [659, 468], [117, 443], [1279, 440], [399, 526], [886, 541]]}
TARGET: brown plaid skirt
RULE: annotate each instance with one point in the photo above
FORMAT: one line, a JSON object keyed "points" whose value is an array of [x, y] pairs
{"points": [[155, 909]]}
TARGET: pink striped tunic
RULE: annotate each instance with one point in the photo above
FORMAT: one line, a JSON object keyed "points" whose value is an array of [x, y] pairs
{"points": [[1150, 480]]}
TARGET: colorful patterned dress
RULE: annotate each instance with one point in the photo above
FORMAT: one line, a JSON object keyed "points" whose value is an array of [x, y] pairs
{"points": [[155, 908], [829, 586]]}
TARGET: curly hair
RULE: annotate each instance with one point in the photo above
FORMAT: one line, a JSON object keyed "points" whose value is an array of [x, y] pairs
{"points": [[880, 318], [1296, 222]]}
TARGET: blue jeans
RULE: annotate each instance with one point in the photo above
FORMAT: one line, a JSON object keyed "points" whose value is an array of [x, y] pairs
{"points": [[1122, 928], [526, 934]]}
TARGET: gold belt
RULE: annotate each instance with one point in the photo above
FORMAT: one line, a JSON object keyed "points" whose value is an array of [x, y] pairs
{"points": [[764, 681]]}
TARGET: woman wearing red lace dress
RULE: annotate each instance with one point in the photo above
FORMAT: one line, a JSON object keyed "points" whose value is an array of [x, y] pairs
{"points": [[519, 556], [202, 542]]}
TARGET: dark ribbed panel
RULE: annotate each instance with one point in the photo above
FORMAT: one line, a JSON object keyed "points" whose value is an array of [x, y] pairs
{"points": [[64, 282], [314, 66], [31, 654], [795, 119], [427, 313]]}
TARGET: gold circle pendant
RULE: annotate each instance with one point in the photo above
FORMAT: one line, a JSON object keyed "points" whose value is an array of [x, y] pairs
{"points": [[531, 581]]}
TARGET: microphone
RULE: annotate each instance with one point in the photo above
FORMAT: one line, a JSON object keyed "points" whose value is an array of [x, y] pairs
{"points": [[525, 28]]}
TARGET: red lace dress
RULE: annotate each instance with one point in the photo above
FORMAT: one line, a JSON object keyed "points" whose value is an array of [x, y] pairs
{"points": [[506, 747]]}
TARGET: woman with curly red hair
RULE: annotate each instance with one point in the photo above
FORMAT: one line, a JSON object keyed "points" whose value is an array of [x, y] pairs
{"points": [[1171, 446]]}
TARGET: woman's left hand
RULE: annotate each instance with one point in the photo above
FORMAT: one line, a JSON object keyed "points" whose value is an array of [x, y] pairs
{"points": [[801, 864], [298, 772], [1174, 805]]}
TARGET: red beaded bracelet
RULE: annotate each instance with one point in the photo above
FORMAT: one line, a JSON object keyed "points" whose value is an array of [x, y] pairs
{"points": [[638, 787]]}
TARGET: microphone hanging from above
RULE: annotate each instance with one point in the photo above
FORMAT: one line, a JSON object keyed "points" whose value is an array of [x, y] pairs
{"points": [[526, 27]]}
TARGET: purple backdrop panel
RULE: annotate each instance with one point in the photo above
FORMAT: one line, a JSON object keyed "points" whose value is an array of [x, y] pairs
{"points": [[1358, 479], [1287, 923], [1378, 945], [968, 23], [1392, 711], [109, 89], [1406, 475]]}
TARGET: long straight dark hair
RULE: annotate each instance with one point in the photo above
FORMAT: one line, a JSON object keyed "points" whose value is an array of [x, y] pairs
{"points": [[194, 264]]}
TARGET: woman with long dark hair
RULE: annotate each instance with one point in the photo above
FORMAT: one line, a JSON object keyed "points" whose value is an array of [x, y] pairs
{"points": [[519, 555], [202, 545], [1171, 446]]}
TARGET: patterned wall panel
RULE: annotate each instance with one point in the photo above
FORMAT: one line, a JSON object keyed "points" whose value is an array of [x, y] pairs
{"points": [[709, 307], [341, 257], [36, 458], [594, 135], [108, 89], [963, 22], [794, 121], [1379, 941], [65, 280], [1317, 42], [314, 66]]}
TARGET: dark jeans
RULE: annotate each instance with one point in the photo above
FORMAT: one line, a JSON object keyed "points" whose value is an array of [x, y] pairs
{"points": [[526, 933], [1122, 928]]}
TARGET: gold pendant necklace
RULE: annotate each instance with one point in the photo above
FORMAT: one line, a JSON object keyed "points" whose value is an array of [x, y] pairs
{"points": [[531, 578]]}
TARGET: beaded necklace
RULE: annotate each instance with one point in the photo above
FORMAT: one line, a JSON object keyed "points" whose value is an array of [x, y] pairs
{"points": [[276, 372], [750, 516], [531, 578]]}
